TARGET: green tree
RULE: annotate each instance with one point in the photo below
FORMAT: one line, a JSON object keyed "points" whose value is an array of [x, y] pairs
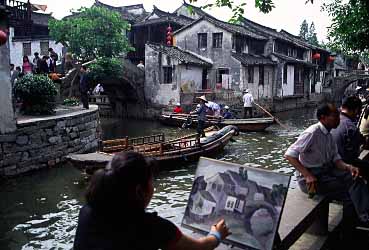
{"points": [[92, 33], [304, 30], [349, 31], [312, 37]]}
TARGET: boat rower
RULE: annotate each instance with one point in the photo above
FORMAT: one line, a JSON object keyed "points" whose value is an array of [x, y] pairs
{"points": [[201, 115]]}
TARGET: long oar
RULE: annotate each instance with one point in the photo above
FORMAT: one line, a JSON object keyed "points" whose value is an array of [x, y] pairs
{"points": [[275, 118]]}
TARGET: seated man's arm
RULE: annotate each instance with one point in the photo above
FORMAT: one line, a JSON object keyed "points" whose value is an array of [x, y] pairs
{"points": [[309, 178], [292, 155]]}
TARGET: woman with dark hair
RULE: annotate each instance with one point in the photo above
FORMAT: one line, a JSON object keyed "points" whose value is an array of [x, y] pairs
{"points": [[115, 217]]}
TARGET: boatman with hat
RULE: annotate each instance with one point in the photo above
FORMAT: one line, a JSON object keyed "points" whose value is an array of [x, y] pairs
{"points": [[201, 115], [247, 103]]}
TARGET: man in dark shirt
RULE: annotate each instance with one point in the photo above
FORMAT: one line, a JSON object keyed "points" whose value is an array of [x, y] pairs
{"points": [[83, 87], [347, 135]]}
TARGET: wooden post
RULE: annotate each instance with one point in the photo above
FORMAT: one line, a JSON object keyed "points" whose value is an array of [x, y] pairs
{"points": [[161, 149], [126, 142]]}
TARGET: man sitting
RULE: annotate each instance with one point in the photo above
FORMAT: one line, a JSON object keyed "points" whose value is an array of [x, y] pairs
{"points": [[178, 109], [320, 168]]}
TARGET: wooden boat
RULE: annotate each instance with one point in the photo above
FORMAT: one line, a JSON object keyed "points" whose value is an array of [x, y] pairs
{"points": [[244, 125], [167, 153]]}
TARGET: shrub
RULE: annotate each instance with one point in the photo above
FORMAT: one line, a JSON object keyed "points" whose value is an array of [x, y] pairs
{"points": [[37, 93], [73, 101], [105, 68]]}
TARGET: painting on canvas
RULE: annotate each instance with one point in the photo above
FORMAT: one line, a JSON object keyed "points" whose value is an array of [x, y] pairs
{"points": [[249, 199]]}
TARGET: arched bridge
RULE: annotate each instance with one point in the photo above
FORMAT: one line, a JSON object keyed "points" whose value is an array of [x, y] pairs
{"points": [[126, 94], [340, 83]]}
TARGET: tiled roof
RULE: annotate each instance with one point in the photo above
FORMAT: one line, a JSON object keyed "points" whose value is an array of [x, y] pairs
{"points": [[179, 54], [124, 11], [293, 60], [282, 35], [250, 59], [232, 28], [164, 17]]}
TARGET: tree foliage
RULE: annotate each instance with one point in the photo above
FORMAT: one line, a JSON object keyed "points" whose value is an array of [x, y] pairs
{"points": [[105, 68], [304, 30], [349, 31], [92, 33], [312, 37]]}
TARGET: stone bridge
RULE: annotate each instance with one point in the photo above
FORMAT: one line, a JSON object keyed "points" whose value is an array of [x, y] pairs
{"points": [[126, 94], [341, 83]]}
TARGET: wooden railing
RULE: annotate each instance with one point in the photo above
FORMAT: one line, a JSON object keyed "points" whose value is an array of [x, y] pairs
{"points": [[19, 10], [116, 145]]}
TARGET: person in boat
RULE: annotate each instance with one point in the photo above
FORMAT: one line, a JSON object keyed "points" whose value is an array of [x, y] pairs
{"points": [[320, 168], [115, 215], [227, 114], [347, 135], [247, 104], [201, 115], [178, 109], [214, 107]]}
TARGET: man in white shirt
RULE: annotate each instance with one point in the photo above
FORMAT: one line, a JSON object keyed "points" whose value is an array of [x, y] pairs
{"points": [[247, 104], [214, 107], [141, 65], [320, 167]]}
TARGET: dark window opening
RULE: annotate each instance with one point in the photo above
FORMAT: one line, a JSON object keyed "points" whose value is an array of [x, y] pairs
{"points": [[261, 75], [221, 72], [217, 40], [285, 74], [250, 70], [167, 74], [202, 40]]}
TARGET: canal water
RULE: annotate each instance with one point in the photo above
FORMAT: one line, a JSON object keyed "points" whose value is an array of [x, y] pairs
{"points": [[40, 210]]}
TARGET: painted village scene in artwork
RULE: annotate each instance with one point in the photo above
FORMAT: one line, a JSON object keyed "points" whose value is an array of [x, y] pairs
{"points": [[250, 200]]}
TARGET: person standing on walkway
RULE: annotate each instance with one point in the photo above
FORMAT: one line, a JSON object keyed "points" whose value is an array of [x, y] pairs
{"points": [[141, 65], [247, 104], [36, 62], [201, 115], [27, 67], [83, 87]]}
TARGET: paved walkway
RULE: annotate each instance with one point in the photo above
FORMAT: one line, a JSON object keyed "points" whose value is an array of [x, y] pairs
{"points": [[60, 111]]}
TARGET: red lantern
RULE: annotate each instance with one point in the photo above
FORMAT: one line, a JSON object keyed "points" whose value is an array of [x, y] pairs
{"points": [[3, 37], [316, 56], [169, 37], [330, 59]]}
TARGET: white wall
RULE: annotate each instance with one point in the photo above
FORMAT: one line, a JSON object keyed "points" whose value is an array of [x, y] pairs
{"points": [[259, 91], [288, 89], [16, 48], [190, 78]]}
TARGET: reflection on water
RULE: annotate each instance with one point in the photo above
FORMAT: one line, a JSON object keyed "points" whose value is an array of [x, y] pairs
{"points": [[40, 211]]}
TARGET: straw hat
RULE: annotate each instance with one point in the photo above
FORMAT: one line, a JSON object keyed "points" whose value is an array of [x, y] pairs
{"points": [[178, 104], [226, 107], [202, 98]]}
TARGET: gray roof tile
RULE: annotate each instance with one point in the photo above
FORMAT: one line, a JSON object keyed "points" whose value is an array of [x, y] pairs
{"points": [[179, 54]]}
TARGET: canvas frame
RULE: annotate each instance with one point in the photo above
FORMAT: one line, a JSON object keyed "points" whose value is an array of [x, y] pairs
{"points": [[198, 191]]}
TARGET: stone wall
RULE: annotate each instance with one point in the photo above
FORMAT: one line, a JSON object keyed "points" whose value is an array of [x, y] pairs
{"points": [[44, 142]]}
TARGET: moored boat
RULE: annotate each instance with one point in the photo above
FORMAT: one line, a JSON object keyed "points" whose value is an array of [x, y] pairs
{"points": [[244, 125], [167, 153]]}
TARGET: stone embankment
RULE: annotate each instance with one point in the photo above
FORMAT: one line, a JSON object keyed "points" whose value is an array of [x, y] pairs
{"points": [[44, 142]]}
